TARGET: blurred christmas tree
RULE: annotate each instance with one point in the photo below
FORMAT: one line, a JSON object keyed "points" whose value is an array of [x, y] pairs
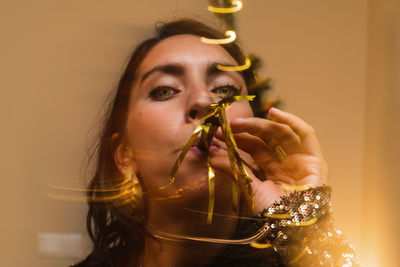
{"points": [[261, 85]]}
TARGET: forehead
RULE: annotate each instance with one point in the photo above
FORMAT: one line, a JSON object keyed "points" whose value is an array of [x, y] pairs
{"points": [[185, 49]]}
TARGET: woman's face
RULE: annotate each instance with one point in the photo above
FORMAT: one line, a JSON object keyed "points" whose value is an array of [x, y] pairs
{"points": [[177, 81]]}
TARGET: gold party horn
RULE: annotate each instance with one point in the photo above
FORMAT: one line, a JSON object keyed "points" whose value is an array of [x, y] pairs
{"points": [[216, 117]]}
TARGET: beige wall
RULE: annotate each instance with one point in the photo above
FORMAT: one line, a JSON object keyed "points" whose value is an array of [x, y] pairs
{"points": [[315, 52], [382, 146], [60, 58]]}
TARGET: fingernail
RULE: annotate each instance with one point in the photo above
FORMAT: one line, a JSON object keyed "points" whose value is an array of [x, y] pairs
{"points": [[274, 111]]}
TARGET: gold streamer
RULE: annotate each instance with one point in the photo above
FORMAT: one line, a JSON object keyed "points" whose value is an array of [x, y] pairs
{"points": [[214, 117], [280, 153], [235, 197], [231, 36], [242, 178], [183, 153], [236, 6], [211, 191]]}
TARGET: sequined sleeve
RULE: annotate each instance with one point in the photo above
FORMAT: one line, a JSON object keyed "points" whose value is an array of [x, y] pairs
{"points": [[302, 231]]}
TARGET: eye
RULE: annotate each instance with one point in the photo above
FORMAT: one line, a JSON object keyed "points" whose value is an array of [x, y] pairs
{"points": [[162, 92], [226, 91]]}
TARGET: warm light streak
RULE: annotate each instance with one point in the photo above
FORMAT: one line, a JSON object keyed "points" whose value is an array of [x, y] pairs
{"points": [[230, 34], [301, 254], [277, 216], [67, 198], [227, 216], [296, 187], [245, 241], [309, 222], [245, 66], [259, 245], [120, 195], [236, 6], [121, 191], [123, 185]]}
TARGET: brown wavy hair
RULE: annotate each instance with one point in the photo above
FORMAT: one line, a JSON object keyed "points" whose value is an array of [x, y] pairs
{"points": [[117, 228]]}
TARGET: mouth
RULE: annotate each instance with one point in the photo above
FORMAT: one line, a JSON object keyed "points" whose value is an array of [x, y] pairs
{"points": [[213, 147]]}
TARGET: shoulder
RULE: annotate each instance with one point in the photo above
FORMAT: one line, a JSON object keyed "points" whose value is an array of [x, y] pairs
{"points": [[84, 263], [90, 261], [113, 257]]}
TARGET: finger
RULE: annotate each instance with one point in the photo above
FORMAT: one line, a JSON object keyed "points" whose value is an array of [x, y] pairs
{"points": [[263, 191], [259, 151], [272, 133], [306, 133], [263, 155], [221, 163], [252, 148]]}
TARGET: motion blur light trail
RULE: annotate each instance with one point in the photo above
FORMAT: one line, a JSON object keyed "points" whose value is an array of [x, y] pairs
{"points": [[236, 6], [245, 66], [231, 36]]}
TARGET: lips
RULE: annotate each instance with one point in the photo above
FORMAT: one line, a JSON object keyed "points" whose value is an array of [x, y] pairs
{"points": [[213, 148]]}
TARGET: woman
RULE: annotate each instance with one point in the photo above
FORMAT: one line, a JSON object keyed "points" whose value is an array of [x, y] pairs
{"points": [[138, 218]]}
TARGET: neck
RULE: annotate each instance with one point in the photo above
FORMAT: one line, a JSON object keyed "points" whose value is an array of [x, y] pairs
{"points": [[181, 221], [163, 253]]}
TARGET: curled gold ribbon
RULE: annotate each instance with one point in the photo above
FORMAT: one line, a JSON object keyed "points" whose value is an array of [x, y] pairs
{"points": [[215, 117], [236, 6], [231, 36], [245, 66]]}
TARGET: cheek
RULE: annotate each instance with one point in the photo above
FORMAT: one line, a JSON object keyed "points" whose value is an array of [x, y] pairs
{"points": [[153, 135], [145, 138], [149, 127]]}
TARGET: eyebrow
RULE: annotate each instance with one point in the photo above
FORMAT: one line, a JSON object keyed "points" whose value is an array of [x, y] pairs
{"points": [[178, 69], [173, 69]]}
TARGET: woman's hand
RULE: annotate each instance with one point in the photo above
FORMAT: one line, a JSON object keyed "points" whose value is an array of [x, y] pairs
{"points": [[303, 165]]}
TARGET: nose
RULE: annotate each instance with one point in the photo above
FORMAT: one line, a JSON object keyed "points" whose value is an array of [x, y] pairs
{"points": [[199, 100]]}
